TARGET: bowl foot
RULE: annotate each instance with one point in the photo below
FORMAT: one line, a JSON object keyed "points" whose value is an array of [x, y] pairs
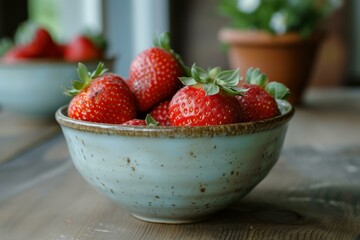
{"points": [[169, 220]]}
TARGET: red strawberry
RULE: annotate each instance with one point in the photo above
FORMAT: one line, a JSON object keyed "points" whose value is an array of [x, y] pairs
{"points": [[55, 51], [82, 48], [208, 99], [33, 41], [135, 122], [100, 97], [43, 45], [161, 113], [259, 101], [17, 53], [154, 74], [148, 121], [36, 39]]}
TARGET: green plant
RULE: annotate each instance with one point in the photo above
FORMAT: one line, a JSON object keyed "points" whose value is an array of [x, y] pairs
{"points": [[278, 16]]}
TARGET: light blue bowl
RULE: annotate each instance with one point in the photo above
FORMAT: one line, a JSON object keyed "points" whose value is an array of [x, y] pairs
{"points": [[175, 174], [34, 88]]}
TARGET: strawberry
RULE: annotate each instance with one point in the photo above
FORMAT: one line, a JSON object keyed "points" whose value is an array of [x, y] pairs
{"points": [[37, 41], [44, 45], [154, 74], [148, 121], [82, 48], [17, 53], [101, 97], [32, 41], [135, 122], [55, 51], [259, 101], [207, 99], [161, 113]]}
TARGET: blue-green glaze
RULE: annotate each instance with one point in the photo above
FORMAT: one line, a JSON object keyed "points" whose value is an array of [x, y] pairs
{"points": [[175, 174], [34, 88]]}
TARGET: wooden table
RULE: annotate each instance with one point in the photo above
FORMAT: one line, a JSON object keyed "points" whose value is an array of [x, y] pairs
{"points": [[313, 192]]}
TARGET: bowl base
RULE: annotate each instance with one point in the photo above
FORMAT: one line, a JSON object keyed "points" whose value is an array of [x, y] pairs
{"points": [[169, 220]]}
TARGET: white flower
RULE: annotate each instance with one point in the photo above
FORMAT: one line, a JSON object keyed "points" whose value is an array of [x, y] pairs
{"points": [[278, 22], [248, 6]]}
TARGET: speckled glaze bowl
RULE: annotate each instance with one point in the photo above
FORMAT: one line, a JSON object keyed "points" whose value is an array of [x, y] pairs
{"points": [[34, 88], [175, 174]]}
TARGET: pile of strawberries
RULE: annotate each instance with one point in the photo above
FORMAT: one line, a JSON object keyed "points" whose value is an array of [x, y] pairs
{"points": [[33, 41], [161, 90]]}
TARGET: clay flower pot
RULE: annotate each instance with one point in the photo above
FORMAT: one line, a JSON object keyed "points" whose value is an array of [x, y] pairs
{"points": [[287, 58]]}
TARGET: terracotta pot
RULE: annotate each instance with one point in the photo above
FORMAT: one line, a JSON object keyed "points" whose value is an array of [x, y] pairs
{"points": [[286, 58]]}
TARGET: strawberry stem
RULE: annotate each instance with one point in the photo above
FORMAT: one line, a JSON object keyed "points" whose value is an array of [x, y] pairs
{"points": [[86, 78]]}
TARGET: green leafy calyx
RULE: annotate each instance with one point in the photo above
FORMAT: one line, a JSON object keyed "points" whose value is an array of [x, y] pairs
{"points": [[254, 76], [150, 121], [86, 78], [214, 80], [275, 89]]}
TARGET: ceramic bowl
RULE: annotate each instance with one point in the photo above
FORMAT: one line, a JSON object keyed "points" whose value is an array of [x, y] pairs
{"points": [[34, 88], [175, 174]]}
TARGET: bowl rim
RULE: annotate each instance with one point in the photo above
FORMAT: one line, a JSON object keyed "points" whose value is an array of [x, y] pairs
{"points": [[287, 112]]}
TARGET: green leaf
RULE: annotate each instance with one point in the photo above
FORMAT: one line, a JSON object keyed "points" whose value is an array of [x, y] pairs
{"points": [[83, 72], [213, 80], [100, 70], [150, 121], [162, 41], [213, 72], [254, 76], [188, 81], [211, 89], [85, 78], [249, 73], [78, 85], [70, 92], [304, 16], [277, 90], [199, 74], [228, 78], [234, 90]]}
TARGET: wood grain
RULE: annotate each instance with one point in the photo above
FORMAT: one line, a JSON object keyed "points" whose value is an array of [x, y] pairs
{"points": [[18, 134]]}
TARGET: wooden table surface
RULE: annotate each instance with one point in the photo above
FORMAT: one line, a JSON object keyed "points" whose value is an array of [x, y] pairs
{"points": [[313, 192], [18, 134]]}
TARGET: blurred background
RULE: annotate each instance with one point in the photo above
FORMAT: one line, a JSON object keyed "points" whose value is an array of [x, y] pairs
{"points": [[129, 26]]}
